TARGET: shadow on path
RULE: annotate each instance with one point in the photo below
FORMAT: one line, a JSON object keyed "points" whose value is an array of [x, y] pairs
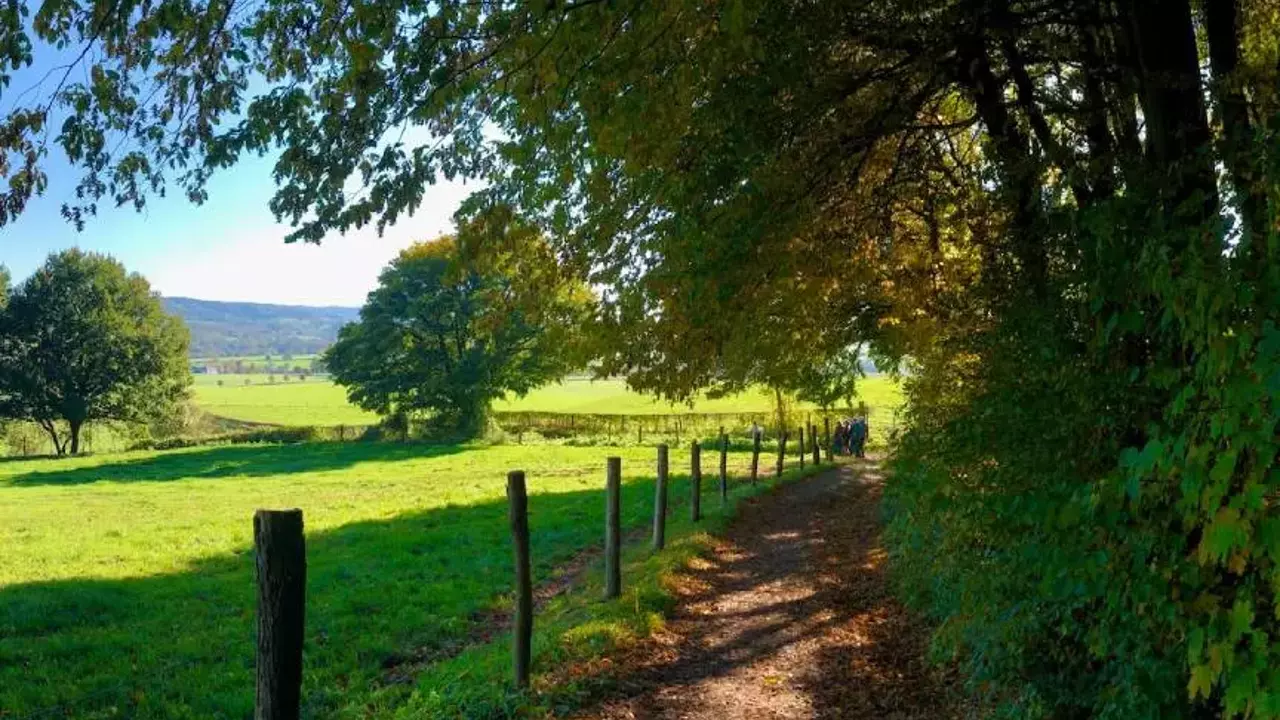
{"points": [[790, 617]]}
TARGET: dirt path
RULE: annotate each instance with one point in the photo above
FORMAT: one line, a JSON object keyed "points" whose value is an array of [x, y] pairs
{"points": [[791, 617]]}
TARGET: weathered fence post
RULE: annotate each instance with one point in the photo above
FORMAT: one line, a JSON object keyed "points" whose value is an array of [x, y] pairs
{"points": [[724, 467], [281, 556], [695, 481], [518, 500], [660, 501], [817, 449], [782, 452], [826, 426], [613, 528], [755, 454], [802, 447]]}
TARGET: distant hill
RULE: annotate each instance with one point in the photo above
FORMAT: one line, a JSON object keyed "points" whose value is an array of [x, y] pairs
{"points": [[227, 329]]}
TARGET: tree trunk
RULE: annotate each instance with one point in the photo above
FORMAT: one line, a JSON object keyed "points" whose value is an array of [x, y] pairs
{"points": [[52, 428], [1222, 25], [1177, 128], [1020, 170], [473, 418], [75, 435]]}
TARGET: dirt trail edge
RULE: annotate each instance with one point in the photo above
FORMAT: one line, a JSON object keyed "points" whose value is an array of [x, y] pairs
{"points": [[789, 617]]}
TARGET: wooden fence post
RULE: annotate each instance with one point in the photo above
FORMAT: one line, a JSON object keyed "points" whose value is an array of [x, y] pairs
{"points": [[802, 447], [817, 449], [755, 454], [613, 528], [660, 501], [724, 467], [281, 557], [518, 500], [695, 481], [826, 425], [782, 452]]}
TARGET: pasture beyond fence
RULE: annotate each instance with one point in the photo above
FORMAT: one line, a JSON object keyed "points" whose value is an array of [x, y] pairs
{"points": [[280, 551], [676, 430]]}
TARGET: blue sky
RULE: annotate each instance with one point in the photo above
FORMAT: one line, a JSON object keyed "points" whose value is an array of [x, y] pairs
{"points": [[230, 248]]}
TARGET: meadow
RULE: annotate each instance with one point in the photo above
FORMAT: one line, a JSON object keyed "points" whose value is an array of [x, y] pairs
{"points": [[127, 588], [317, 401]]}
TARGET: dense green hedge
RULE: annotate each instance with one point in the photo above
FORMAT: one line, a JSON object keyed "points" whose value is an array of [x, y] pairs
{"points": [[1096, 540]]}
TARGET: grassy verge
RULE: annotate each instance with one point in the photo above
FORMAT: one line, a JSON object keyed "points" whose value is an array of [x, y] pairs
{"points": [[576, 632]]}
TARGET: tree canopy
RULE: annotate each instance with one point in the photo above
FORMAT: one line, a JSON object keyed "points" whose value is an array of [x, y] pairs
{"points": [[1061, 215], [460, 321], [82, 340]]}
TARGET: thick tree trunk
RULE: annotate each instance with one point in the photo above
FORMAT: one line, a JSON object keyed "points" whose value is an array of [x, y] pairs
{"points": [[1177, 127], [1020, 170], [1222, 25], [473, 418], [75, 435], [1102, 160]]}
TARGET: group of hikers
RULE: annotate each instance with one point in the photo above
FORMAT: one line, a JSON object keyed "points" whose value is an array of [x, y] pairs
{"points": [[850, 437]]}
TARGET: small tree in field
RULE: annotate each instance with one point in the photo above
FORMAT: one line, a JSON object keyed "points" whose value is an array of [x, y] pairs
{"points": [[460, 321], [83, 340]]}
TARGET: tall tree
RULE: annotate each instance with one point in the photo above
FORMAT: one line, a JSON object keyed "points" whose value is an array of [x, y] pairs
{"points": [[83, 340], [460, 321]]}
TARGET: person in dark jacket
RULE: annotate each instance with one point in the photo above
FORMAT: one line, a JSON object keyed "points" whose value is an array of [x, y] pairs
{"points": [[858, 436]]}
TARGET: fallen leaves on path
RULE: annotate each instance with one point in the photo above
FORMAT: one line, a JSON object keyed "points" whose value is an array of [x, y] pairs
{"points": [[789, 617]]}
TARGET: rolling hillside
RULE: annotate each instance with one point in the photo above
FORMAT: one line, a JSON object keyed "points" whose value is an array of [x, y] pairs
{"points": [[238, 328]]}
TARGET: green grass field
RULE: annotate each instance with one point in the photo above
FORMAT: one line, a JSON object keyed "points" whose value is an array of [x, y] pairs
{"points": [[317, 401], [127, 583]]}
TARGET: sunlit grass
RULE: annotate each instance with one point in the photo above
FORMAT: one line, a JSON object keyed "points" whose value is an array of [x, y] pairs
{"points": [[317, 401], [127, 583]]}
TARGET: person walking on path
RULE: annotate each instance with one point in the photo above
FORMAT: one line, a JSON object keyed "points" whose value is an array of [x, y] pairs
{"points": [[858, 437], [837, 439]]}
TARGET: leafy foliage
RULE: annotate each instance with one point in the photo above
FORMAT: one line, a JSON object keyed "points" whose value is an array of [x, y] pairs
{"points": [[461, 321], [83, 340]]}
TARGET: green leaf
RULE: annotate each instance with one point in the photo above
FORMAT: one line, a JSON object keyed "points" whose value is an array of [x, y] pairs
{"points": [[1201, 683]]}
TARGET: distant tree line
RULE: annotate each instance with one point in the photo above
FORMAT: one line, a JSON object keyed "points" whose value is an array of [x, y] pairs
{"points": [[83, 340], [240, 366]]}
